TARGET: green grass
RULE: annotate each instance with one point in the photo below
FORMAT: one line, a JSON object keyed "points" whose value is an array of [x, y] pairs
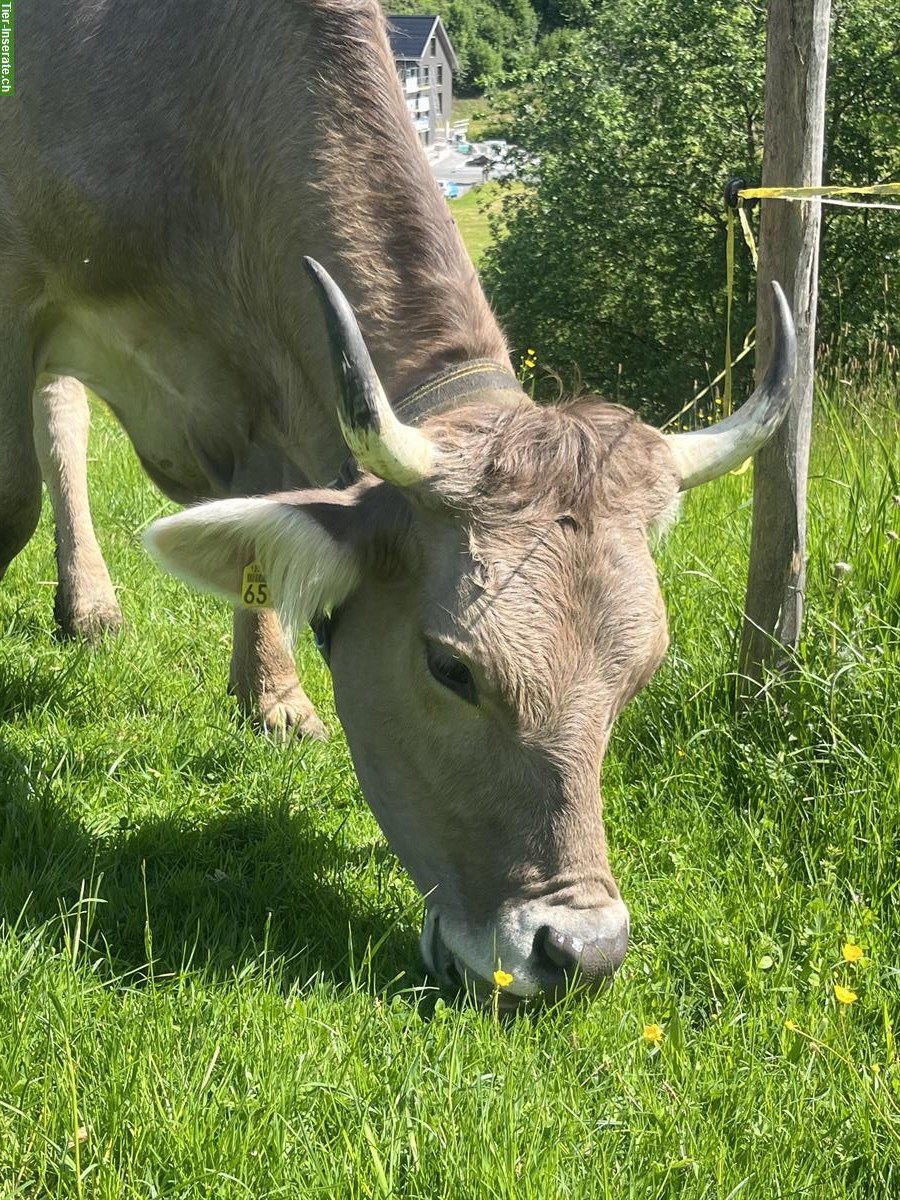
{"points": [[472, 213], [209, 983], [483, 120]]}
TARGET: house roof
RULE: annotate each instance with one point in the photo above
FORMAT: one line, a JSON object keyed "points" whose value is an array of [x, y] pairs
{"points": [[410, 37]]}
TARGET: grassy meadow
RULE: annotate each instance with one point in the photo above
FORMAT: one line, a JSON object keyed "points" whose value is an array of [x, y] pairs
{"points": [[472, 213], [483, 117], [209, 981]]}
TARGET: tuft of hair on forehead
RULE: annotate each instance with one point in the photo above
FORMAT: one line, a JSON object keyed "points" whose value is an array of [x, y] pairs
{"points": [[586, 459]]}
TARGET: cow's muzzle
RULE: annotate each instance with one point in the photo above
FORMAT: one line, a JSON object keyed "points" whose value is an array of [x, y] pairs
{"points": [[534, 952]]}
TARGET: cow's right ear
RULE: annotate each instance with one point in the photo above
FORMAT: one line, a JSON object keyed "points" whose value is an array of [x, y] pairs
{"points": [[303, 542]]}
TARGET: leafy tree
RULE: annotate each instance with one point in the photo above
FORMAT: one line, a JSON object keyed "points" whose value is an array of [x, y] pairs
{"points": [[557, 14], [860, 259], [614, 259]]}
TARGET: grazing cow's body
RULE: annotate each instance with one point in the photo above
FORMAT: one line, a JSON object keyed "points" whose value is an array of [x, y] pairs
{"points": [[165, 168], [494, 602]]}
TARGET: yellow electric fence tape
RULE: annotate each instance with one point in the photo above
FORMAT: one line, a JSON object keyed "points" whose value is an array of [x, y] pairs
{"points": [[254, 587], [748, 235], [749, 344], [826, 195]]}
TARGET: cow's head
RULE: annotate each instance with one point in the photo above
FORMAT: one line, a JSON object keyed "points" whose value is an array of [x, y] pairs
{"points": [[494, 606]]}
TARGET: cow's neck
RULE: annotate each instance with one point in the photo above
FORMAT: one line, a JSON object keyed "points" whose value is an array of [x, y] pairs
{"points": [[393, 245]]}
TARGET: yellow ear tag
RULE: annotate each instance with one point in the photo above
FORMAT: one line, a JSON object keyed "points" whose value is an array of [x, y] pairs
{"points": [[254, 587]]}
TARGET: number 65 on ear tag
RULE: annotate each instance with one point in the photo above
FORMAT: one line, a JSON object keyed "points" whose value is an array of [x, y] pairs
{"points": [[254, 587]]}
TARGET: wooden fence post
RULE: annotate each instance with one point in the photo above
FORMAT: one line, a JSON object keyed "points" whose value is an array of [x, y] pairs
{"points": [[796, 65]]}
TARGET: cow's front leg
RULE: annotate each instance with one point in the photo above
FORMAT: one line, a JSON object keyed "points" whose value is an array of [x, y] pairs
{"points": [[264, 677], [86, 604]]}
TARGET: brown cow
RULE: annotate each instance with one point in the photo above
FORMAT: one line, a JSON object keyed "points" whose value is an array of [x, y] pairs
{"points": [[481, 577]]}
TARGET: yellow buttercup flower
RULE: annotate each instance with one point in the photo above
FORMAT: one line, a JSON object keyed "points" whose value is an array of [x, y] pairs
{"points": [[844, 994], [851, 952], [653, 1034], [502, 978]]}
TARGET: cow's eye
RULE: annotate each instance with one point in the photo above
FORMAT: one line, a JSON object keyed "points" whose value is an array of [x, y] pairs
{"points": [[451, 672]]}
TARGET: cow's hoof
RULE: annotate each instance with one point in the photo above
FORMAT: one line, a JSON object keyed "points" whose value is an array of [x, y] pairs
{"points": [[86, 621], [284, 714]]}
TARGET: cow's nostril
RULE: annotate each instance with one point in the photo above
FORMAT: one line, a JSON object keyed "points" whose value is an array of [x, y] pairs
{"points": [[561, 956], [556, 952]]}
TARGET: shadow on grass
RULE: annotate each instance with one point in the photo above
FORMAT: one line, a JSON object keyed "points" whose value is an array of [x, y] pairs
{"points": [[261, 885]]}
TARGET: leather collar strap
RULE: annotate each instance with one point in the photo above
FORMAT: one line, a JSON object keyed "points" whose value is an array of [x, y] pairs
{"points": [[445, 390], [440, 393]]}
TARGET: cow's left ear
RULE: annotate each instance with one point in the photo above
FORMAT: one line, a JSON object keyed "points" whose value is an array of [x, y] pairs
{"points": [[304, 543]]}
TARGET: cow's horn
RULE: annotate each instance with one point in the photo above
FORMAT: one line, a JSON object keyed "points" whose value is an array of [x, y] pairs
{"points": [[378, 441], [709, 453]]}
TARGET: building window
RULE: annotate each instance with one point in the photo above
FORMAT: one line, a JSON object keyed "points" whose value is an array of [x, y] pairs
{"points": [[440, 97], [426, 75], [440, 74], [433, 49]]}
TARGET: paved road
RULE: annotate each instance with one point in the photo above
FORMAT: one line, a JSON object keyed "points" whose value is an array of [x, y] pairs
{"points": [[450, 167]]}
